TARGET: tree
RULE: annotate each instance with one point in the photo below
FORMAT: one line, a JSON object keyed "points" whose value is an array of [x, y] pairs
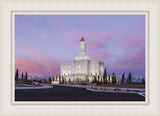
{"points": [[113, 79], [50, 79], [22, 76], [69, 80], [130, 78], [123, 76], [26, 77], [59, 79], [109, 79], [62, 80], [56, 77], [16, 75], [98, 80], [65, 81], [143, 81], [95, 80], [104, 76]]}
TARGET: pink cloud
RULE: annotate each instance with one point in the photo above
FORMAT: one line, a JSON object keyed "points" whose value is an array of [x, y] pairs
{"points": [[97, 35], [35, 53], [53, 63], [25, 64], [134, 60], [75, 42], [95, 44], [74, 39], [136, 38], [134, 41], [37, 66]]}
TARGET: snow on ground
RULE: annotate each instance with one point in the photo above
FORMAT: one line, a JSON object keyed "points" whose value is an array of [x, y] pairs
{"points": [[88, 87], [142, 94], [34, 87], [110, 89]]}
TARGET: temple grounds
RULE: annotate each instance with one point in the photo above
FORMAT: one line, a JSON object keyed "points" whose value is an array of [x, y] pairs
{"points": [[68, 93]]}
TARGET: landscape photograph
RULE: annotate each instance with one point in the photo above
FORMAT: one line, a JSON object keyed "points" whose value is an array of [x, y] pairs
{"points": [[79, 57]]}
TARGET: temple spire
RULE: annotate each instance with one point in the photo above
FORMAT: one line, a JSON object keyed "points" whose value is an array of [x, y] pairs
{"points": [[82, 39], [82, 54]]}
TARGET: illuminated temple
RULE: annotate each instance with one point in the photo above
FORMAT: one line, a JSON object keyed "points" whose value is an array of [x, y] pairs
{"points": [[82, 68]]}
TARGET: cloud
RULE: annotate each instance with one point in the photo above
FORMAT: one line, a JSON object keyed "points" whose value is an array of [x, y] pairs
{"points": [[97, 35], [95, 44], [133, 41], [135, 38], [40, 64], [88, 39], [24, 62], [37, 66], [36, 54], [96, 54], [135, 60]]}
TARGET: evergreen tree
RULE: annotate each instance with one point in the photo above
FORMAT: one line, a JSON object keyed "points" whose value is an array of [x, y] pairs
{"points": [[143, 81], [65, 81], [22, 76], [109, 79], [113, 79], [104, 76], [98, 80], [95, 80], [62, 80], [26, 77], [123, 76], [130, 78], [56, 77], [69, 80], [50, 79], [59, 79], [16, 75]]}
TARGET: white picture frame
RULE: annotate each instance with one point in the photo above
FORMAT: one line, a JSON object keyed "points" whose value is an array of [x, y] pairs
{"points": [[8, 107]]}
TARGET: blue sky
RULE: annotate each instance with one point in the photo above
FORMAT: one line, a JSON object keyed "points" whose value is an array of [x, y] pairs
{"points": [[44, 41]]}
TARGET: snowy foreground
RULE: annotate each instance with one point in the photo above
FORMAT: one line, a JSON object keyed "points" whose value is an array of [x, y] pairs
{"points": [[88, 87], [41, 86], [110, 89]]}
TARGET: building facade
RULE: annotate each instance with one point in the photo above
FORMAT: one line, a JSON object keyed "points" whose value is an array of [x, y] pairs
{"points": [[82, 69]]}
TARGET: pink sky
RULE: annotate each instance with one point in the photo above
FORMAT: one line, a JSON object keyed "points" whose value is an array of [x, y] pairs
{"points": [[43, 42]]}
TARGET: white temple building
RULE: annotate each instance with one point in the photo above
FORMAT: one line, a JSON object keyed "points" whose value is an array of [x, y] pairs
{"points": [[82, 69]]}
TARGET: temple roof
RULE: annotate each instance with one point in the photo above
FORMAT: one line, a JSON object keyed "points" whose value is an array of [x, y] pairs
{"points": [[82, 39]]}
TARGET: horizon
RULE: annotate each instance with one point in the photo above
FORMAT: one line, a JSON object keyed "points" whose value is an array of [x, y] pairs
{"points": [[43, 42]]}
